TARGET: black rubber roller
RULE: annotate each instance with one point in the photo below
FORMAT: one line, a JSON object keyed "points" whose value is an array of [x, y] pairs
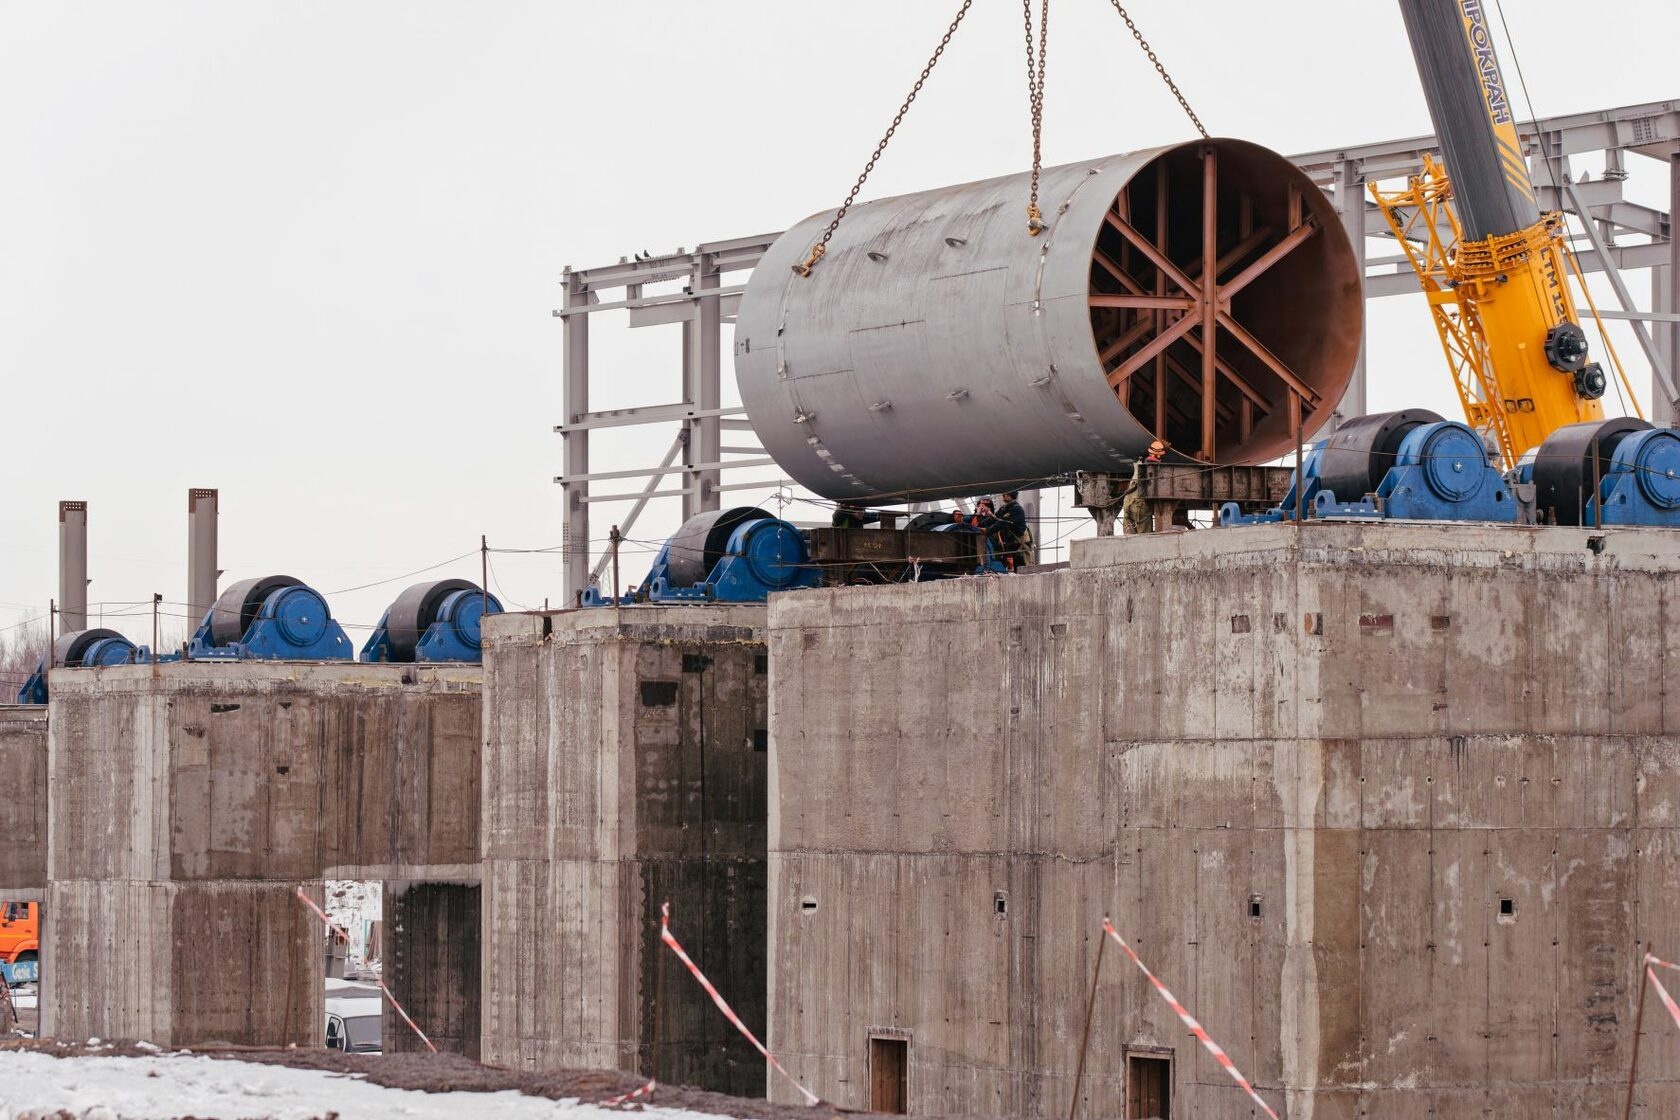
{"points": [[237, 607], [1355, 459], [1564, 469], [700, 543], [68, 650], [414, 611]]}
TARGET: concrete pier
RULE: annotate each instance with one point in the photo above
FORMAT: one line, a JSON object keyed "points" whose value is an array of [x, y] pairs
{"points": [[625, 766], [1393, 808], [23, 802], [190, 800]]}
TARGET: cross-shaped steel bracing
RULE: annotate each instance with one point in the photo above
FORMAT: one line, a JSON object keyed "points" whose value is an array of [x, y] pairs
{"points": [[1170, 324]]}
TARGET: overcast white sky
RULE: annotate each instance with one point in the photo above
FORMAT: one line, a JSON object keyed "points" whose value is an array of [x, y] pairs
{"points": [[306, 252]]}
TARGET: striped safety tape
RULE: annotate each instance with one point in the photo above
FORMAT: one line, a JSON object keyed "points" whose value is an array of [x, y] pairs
{"points": [[345, 935], [412, 1025], [632, 1094], [1652, 958], [1662, 994], [723, 1005], [1207, 1042]]}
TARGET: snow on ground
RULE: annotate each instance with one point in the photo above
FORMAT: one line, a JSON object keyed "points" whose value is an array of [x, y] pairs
{"points": [[33, 1084]]}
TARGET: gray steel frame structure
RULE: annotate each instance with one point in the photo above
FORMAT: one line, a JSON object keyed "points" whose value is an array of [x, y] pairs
{"points": [[704, 466]]}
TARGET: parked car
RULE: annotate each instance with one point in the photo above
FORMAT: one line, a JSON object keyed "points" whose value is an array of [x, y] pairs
{"points": [[355, 1015]]}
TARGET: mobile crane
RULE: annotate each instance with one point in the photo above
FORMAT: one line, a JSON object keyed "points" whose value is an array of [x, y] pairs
{"points": [[1494, 268]]}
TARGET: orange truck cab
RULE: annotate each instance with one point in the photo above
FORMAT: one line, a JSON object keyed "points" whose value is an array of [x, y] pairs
{"points": [[20, 932]]}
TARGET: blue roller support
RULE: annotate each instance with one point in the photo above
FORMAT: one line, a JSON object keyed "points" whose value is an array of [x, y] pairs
{"points": [[79, 649], [431, 622], [762, 556], [1439, 470], [271, 619], [1642, 484], [724, 556], [1443, 473]]}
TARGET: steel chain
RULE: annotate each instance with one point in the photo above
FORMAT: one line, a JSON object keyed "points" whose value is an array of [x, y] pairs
{"points": [[1035, 102], [1159, 69], [821, 246]]}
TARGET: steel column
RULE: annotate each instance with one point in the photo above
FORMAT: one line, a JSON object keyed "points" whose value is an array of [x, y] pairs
{"points": [[1659, 369], [1662, 298], [72, 566], [574, 504], [1350, 200], [1672, 303], [202, 511], [702, 388]]}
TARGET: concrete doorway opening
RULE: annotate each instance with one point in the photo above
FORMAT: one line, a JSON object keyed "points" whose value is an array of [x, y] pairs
{"points": [[889, 1075], [432, 964], [355, 1008], [1148, 1087]]}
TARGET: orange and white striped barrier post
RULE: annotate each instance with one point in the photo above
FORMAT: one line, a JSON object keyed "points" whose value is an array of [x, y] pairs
{"points": [[1202, 1036], [345, 935], [723, 1005]]}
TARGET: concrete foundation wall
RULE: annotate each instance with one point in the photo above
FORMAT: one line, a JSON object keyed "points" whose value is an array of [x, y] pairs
{"points": [[190, 801], [23, 802], [624, 766], [1302, 769]]}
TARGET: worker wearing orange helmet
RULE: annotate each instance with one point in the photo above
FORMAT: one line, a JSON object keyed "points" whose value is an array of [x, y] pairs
{"points": [[1134, 511]]}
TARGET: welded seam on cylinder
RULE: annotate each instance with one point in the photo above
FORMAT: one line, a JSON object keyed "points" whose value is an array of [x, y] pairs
{"points": [[1052, 380]]}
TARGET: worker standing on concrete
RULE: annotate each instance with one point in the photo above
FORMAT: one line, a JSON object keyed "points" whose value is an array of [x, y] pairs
{"points": [[1134, 511], [1007, 527]]}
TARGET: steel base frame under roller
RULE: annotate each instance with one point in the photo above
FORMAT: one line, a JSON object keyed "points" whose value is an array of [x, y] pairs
{"points": [[698, 467]]}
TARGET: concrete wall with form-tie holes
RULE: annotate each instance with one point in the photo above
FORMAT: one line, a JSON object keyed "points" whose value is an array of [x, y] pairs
{"points": [[625, 765], [189, 801], [1394, 810]]}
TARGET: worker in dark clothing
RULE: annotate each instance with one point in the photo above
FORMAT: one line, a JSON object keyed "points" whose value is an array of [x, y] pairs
{"points": [[850, 515], [1007, 528]]}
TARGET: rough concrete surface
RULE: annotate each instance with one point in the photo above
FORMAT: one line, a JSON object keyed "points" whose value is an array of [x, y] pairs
{"points": [[23, 802], [189, 802], [1393, 808], [625, 766]]}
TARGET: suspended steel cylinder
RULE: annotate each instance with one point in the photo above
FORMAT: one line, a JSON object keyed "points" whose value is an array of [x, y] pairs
{"points": [[938, 349]]}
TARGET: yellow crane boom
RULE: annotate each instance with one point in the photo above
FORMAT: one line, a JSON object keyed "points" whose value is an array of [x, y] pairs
{"points": [[1494, 268]]}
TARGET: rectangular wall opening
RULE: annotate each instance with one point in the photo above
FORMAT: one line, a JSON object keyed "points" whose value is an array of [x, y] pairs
{"points": [[1148, 1087], [889, 1075], [432, 964]]}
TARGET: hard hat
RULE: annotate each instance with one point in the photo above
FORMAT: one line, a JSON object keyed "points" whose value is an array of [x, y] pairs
{"points": [[1156, 447]]}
